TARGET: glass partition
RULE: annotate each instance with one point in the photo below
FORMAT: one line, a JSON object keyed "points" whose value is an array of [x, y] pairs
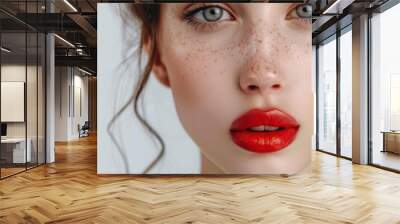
{"points": [[14, 155], [23, 91], [41, 96], [31, 100]]}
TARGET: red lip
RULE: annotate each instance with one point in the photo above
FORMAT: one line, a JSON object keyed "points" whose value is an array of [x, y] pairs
{"points": [[264, 141]]}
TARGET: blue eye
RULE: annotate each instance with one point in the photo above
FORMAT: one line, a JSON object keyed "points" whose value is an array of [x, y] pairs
{"points": [[304, 10], [300, 13], [210, 14]]}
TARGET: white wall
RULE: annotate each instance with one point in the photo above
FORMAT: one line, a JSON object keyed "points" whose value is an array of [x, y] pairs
{"points": [[61, 103], [67, 117], [80, 84], [12, 73], [115, 84], [12, 101]]}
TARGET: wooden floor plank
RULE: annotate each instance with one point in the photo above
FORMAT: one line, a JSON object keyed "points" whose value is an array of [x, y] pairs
{"points": [[70, 191]]}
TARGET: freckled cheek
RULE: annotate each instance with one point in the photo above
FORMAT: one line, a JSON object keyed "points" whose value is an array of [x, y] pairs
{"points": [[202, 85], [297, 61], [197, 75], [298, 68]]}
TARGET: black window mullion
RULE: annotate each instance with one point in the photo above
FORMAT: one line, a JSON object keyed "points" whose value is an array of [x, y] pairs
{"points": [[338, 91], [369, 91], [37, 90], [26, 87], [317, 96], [0, 96]]}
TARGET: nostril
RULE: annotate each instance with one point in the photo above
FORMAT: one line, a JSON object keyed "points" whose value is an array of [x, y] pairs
{"points": [[252, 87], [276, 86]]}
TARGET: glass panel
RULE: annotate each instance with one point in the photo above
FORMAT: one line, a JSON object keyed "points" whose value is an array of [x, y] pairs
{"points": [[41, 99], [32, 90], [13, 87], [386, 89], [346, 94], [327, 97], [31, 100]]}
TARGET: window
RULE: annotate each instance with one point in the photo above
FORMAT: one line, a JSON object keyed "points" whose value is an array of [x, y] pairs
{"points": [[346, 75], [327, 97], [385, 89]]}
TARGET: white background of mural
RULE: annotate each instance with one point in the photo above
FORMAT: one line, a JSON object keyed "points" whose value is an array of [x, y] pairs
{"points": [[115, 85]]}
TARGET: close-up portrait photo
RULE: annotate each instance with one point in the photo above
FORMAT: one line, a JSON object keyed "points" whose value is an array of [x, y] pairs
{"points": [[208, 88]]}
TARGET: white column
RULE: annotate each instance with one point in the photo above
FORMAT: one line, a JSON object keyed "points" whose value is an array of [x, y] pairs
{"points": [[50, 99], [360, 90]]}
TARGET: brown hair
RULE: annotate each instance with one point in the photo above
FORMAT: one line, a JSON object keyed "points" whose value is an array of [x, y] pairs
{"points": [[148, 15]]}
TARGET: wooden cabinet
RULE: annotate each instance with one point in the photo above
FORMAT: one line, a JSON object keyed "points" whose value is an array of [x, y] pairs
{"points": [[391, 141]]}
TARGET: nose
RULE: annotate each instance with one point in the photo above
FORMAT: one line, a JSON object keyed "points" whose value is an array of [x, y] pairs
{"points": [[260, 71], [260, 78], [268, 81]]}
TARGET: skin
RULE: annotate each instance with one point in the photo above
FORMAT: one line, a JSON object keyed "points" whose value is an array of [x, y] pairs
{"points": [[210, 70]]}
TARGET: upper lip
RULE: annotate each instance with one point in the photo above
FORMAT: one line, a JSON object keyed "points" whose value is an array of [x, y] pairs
{"points": [[268, 117]]}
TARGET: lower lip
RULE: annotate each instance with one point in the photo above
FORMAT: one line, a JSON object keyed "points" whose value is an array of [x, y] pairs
{"points": [[264, 142]]}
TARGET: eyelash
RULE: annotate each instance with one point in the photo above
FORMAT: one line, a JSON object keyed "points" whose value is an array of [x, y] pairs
{"points": [[205, 26]]}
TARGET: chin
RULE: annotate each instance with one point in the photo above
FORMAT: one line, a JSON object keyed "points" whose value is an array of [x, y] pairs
{"points": [[289, 161]]}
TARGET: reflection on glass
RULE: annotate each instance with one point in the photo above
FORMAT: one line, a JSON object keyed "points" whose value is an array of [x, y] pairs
{"points": [[41, 99], [31, 101], [346, 94], [327, 97], [386, 89]]}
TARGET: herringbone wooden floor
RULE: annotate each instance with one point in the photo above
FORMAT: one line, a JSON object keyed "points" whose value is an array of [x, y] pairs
{"points": [[70, 191]]}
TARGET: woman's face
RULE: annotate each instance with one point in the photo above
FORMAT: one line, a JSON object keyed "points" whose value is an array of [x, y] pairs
{"points": [[240, 75]]}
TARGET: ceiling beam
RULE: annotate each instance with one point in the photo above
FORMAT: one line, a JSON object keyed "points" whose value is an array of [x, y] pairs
{"points": [[84, 61], [84, 24], [337, 7]]}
